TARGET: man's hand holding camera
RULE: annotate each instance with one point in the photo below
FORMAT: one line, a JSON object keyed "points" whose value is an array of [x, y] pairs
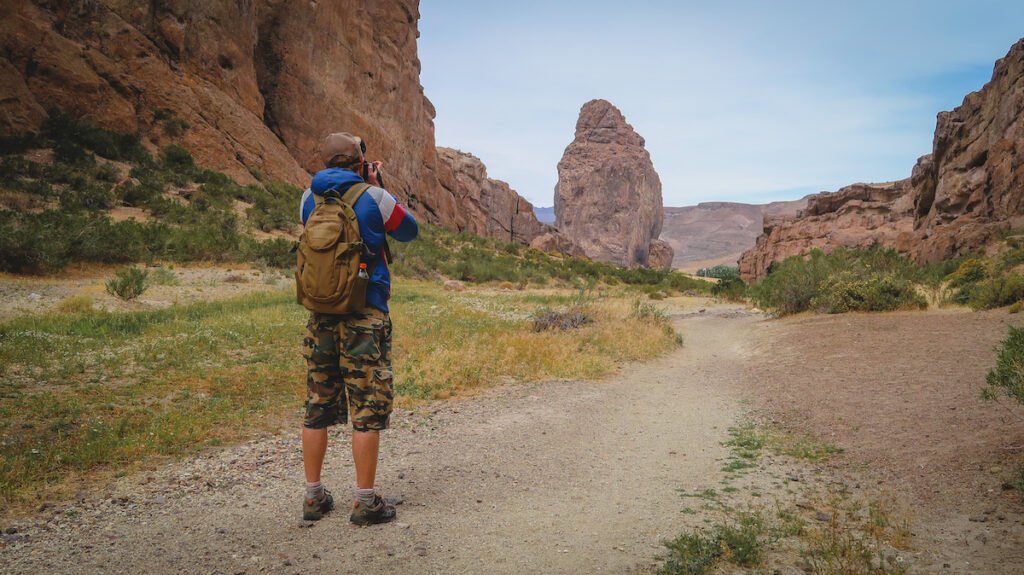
{"points": [[373, 173]]}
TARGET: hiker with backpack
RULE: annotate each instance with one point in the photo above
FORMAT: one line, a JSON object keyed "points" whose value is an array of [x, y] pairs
{"points": [[343, 279]]}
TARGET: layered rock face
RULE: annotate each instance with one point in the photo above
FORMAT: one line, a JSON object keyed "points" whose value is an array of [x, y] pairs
{"points": [[857, 216], [957, 199], [258, 82], [608, 196], [487, 207]]}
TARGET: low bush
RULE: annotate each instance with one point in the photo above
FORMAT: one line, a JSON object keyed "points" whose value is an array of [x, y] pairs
{"points": [[730, 289], [844, 280], [995, 291], [845, 292], [546, 319], [740, 541], [1007, 377], [128, 283]]}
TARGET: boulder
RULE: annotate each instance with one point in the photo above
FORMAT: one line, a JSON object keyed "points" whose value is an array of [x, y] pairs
{"points": [[660, 255], [608, 196], [554, 241]]}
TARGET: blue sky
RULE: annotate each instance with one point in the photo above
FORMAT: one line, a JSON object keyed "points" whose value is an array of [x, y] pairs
{"points": [[748, 101]]}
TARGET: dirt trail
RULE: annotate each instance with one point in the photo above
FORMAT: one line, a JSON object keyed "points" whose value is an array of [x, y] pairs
{"points": [[583, 477], [564, 477]]}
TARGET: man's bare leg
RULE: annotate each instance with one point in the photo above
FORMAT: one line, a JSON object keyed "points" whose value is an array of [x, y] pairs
{"points": [[365, 447], [314, 449]]}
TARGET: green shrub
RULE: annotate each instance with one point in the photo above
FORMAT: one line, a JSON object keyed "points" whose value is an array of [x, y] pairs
{"points": [[129, 283], [996, 292], [845, 292], [1007, 377], [72, 137], [174, 157], [720, 272], [740, 541], [18, 143], [844, 280], [729, 289]]}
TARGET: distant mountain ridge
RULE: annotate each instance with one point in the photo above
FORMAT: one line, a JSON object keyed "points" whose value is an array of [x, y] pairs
{"points": [[713, 233]]}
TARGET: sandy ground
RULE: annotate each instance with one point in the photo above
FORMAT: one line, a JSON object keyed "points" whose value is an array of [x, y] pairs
{"points": [[899, 392], [583, 477]]}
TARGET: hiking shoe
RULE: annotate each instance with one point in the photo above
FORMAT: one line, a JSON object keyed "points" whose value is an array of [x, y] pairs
{"points": [[315, 509], [380, 512]]}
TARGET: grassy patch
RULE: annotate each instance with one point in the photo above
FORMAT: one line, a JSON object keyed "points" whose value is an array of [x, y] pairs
{"points": [[856, 540], [747, 442], [827, 533], [92, 390], [740, 539]]}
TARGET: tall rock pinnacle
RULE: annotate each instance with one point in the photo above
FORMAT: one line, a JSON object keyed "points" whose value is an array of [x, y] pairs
{"points": [[608, 196]]}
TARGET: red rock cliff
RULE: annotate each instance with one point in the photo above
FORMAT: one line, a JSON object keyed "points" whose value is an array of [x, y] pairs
{"points": [[487, 207], [957, 199], [258, 82]]}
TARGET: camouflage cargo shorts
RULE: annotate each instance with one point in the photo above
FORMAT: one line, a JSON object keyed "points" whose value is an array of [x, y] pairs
{"points": [[348, 360]]}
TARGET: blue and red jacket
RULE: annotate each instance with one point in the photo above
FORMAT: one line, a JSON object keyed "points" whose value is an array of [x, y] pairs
{"points": [[378, 213]]}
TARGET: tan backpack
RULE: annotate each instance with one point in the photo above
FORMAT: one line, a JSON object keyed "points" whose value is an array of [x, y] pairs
{"points": [[330, 276]]}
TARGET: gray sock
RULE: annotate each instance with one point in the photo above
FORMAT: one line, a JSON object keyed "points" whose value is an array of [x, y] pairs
{"points": [[365, 496], [314, 490]]}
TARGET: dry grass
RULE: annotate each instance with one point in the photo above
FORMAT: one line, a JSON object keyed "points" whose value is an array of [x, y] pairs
{"points": [[87, 392]]}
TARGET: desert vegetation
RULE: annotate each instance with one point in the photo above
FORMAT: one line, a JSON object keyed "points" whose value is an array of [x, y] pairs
{"points": [[60, 186], [881, 280], [827, 532], [115, 388]]}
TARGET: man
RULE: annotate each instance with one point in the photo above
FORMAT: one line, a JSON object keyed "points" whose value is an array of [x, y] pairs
{"points": [[348, 357]]}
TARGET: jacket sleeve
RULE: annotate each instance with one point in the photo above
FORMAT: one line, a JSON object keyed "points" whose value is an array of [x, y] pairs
{"points": [[398, 222]]}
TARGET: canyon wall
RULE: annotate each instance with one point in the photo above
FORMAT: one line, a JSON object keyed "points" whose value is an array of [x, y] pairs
{"points": [[245, 86], [488, 208], [608, 196], [957, 199]]}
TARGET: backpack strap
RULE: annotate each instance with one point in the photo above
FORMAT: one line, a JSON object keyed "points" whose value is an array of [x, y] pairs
{"points": [[353, 193]]}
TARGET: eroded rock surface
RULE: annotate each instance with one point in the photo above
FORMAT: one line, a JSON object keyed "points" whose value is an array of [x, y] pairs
{"points": [[255, 81], [957, 199], [487, 207], [608, 197]]}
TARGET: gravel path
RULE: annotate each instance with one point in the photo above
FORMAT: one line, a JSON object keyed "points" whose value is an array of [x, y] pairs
{"points": [[562, 477]]}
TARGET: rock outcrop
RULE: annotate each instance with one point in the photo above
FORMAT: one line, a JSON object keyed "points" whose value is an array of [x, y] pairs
{"points": [[255, 81], [554, 241], [608, 196], [857, 216], [956, 201], [487, 207]]}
